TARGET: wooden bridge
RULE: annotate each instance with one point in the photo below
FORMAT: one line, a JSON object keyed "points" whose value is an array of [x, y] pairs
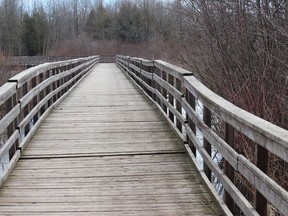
{"points": [[83, 138]]}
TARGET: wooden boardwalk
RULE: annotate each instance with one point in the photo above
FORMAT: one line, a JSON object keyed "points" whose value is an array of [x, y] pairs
{"points": [[105, 150]]}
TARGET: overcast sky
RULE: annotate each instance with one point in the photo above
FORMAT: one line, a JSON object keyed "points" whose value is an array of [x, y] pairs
{"points": [[30, 3]]}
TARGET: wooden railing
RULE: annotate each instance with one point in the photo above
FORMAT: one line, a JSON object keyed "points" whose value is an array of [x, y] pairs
{"points": [[175, 91], [30, 61], [27, 98]]}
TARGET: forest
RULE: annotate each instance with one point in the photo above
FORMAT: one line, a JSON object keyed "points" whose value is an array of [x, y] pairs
{"points": [[81, 27], [237, 48]]}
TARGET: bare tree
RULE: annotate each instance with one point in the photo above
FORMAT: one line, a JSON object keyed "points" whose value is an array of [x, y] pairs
{"points": [[239, 49], [10, 27]]}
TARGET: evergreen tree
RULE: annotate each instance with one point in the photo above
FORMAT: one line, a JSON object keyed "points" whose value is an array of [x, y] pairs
{"points": [[130, 23], [10, 27], [99, 23], [35, 35]]}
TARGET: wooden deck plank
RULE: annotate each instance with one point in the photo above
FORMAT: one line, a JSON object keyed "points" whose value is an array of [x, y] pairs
{"points": [[105, 150]]}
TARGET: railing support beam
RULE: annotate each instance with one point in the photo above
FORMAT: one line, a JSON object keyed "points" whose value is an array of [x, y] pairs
{"points": [[228, 169], [206, 144], [262, 164]]}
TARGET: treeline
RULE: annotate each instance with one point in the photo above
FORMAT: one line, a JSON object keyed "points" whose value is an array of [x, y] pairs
{"points": [[239, 49], [35, 29]]}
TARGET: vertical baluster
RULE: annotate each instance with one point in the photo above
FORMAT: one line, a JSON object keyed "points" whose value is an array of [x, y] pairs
{"points": [[179, 86], [228, 169], [140, 74], [149, 81], [157, 86], [71, 76], [262, 164], [153, 70], [62, 81], [145, 79], [65, 79], [36, 99], [54, 72], [171, 98], [25, 89], [143, 68], [164, 91], [50, 89], [191, 100], [42, 93], [206, 144], [10, 104], [46, 90]]}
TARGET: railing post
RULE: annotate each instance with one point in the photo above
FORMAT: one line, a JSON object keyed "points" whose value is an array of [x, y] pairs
{"points": [[191, 100], [140, 74], [262, 164], [148, 81], [35, 82], [179, 86], [171, 98], [46, 90], [59, 83], [11, 102], [23, 90], [153, 70], [206, 144], [66, 68], [228, 169], [50, 89], [157, 86], [42, 77], [164, 91]]}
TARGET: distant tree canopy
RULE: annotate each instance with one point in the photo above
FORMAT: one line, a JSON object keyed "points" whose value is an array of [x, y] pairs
{"points": [[10, 27], [35, 29], [99, 24], [131, 22], [35, 33]]}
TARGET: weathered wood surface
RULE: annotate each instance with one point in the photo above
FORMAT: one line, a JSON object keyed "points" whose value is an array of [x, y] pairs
{"points": [[166, 88], [105, 150]]}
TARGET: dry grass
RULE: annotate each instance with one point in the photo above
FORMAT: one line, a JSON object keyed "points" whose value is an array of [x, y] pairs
{"points": [[156, 48]]}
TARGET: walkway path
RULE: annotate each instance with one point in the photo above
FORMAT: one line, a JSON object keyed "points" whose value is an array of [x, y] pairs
{"points": [[105, 150]]}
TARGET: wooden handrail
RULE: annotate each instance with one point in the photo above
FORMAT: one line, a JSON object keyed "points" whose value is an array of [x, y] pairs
{"points": [[28, 97], [173, 90], [34, 60]]}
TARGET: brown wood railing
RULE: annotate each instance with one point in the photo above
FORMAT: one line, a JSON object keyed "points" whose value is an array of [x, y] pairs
{"points": [[175, 90], [27, 98], [30, 61]]}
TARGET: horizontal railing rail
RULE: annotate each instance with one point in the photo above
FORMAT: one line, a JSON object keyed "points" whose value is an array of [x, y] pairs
{"points": [[29, 61], [176, 91], [27, 98]]}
